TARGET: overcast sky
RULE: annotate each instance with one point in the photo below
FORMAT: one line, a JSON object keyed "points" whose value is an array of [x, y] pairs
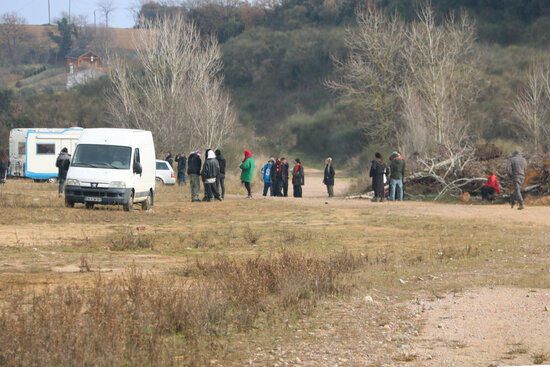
{"points": [[36, 11]]}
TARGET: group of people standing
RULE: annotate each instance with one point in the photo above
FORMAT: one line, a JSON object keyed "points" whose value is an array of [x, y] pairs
{"points": [[275, 175], [380, 172], [211, 173]]}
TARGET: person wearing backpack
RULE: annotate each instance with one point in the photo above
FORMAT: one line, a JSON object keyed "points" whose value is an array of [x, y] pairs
{"points": [[267, 171], [62, 163], [378, 170]]}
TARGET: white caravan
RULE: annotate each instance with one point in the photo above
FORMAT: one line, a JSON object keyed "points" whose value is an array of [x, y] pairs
{"points": [[33, 152], [112, 166]]}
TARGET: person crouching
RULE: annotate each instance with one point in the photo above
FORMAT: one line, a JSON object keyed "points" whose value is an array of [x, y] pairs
{"points": [[491, 187]]}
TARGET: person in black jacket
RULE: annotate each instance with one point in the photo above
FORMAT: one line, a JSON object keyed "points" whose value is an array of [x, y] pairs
{"points": [[285, 167], [220, 182], [377, 171], [169, 159], [4, 164], [181, 160], [210, 173], [62, 163], [328, 179], [194, 164], [298, 178]]}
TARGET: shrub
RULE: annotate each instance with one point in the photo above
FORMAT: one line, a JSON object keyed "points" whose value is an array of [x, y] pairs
{"points": [[142, 319], [130, 240]]}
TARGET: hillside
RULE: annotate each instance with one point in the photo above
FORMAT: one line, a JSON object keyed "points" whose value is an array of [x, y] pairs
{"points": [[276, 64]]}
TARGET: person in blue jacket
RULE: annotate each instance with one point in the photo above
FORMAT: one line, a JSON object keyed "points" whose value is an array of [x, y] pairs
{"points": [[266, 176]]}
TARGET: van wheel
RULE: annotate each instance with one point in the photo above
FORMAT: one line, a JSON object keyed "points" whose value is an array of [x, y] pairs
{"points": [[148, 203], [68, 203], [159, 180], [89, 205], [130, 204]]}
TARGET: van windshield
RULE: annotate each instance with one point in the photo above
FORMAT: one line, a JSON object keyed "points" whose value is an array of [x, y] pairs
{"points": [[102, 156]]}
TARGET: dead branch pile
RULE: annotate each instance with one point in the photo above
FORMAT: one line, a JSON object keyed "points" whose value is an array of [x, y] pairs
{"points": [[467, 172]]}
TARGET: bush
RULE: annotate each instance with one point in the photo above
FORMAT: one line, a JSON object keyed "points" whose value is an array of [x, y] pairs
{"points": [[140, 319]]}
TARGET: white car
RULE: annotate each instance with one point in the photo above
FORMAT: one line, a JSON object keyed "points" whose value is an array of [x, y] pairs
{"points": [[165, 173]]}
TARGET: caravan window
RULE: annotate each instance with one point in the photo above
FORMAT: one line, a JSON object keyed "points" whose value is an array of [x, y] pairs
{"points": [[102, 156], [22, 148], [45, 149]]}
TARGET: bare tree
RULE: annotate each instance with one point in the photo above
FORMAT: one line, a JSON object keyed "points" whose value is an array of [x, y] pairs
{"points": [[374, 70], [443, 69], [412, 79], [532, 106], [173, 87], [106, 7], [12, 33]]}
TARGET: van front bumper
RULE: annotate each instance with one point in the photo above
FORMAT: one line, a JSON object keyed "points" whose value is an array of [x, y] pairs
{"points": [[106, 196]]}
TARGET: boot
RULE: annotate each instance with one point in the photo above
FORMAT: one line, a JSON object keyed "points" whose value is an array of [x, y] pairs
{"points": [[520, 207]]}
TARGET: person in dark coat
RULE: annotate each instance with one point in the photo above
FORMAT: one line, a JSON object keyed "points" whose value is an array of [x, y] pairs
{"points": [[62, 163], [298, 179], [277, 178], [377, 171], [397, 175], [516, 169], [169, 159], [181, 160], [328, 179], [210, 173], [194, 164], [4, 164], [285, 168], [220, 182]]}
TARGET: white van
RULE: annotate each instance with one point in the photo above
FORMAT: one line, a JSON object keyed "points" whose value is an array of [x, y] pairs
{"points": [[112, 166]]}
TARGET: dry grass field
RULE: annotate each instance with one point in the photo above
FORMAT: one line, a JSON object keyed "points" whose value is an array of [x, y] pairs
{"points": [[271, 282]]}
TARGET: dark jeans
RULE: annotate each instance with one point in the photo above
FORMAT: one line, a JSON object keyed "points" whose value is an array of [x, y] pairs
{"points": [[248, 188], [487, 193], [61, 184], [220, 183], [182, 178], [330, 190], [285, 188], [211, 191], [297, 191], [268, 187]]}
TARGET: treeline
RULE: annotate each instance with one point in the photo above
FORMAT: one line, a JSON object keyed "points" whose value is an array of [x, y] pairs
{"points": [[278, 57]]}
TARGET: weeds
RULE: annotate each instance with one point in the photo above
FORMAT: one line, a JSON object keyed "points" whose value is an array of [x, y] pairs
{"points": [[250, 236], [147, 319], [130, 240], [540, 358]]}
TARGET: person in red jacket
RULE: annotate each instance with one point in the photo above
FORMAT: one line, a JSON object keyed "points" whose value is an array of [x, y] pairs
{"points": [[491, 187]]}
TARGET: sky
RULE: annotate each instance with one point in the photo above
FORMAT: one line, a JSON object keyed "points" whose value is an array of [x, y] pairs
{"points": [[36, 11]]}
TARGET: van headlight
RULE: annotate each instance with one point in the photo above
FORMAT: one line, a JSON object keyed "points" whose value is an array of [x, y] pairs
{"points": [[118, 185], [72, 182]]}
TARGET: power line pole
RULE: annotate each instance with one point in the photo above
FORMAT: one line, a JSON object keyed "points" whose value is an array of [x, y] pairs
{"points": [[95, 20], [49, 19], [69, 11]]}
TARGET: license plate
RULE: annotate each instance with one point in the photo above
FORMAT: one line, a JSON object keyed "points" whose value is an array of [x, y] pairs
{"points": [[92, 199]]}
